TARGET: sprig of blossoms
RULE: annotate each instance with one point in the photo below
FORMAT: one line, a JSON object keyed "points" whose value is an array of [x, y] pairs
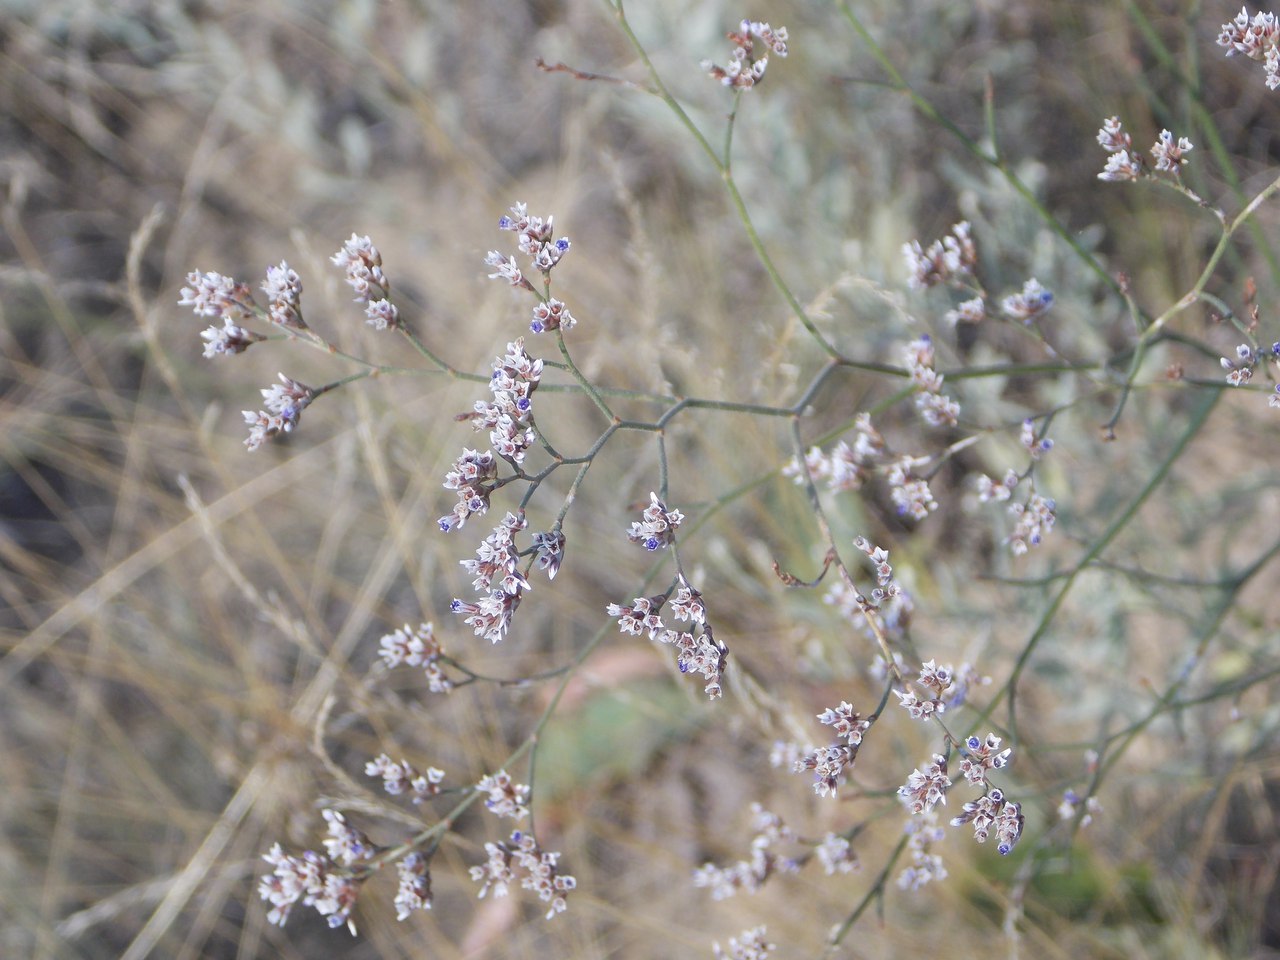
{"points": [[846, 467], [414, 891], [539, 871], [535, 239], [226, 299], [836, 855], [285, 402], [1071, 803], [750, 875], [1125, 163], [283, 288], [886, 604], [509, 417], [910, 493], [657, 528], [926, 787], [490, 617], [416, 648], [993, 811], [641, 617], [830, 763], [361, 261], [320, 880], [936, 409], [1240, 370], [1035, 520], [751, 944], [746, 66], [473, 476], [506, 798], [937, 682], [313, 880], [926, 866], [981, 756], [403, 777], [1258, 38], [698, 650], [1033, 301], [217, 296], [229, 340], [945, 261]]}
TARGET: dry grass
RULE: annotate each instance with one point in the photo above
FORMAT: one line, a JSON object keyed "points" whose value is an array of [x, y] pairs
{"points": [[190, 631]]}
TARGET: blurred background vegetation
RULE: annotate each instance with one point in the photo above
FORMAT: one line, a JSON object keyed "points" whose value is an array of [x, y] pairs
{"points": [[190, 630]]}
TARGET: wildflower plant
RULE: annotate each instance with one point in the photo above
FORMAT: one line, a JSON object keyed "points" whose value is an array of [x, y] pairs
{"points": [[924, 442]]}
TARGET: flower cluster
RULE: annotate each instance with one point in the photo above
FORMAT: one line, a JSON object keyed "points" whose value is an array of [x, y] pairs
{"points": [[926, 787], [226, 299], [751, 944], [414, 891], [936, 409], [1035, 520], [1125, 163], [836, 855], [318, 880], [846, 467], [312, 880], [846, 722], [981, 756], [548, 550], [539, 871], [551, 314], [535, 239], [886, 587], [990, 491], [750, 875], [283, 288], [496, 560], [229, 340], [657, 528], [1029, 304], [1036, 516], [509, 417], [1240, 370], [1036, 444], [926, 866], [1258, 38], [945, 261], [403, 777], [829, 763], [285, 402], [362, 263], [416, 648], [641, 617], [746, 68], [993, 810], [213, 295], [698, 650], [968, 311], [1071, 803], [850, 467], [884, 610], [910, 493], [937, 682], [506, 798]]}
